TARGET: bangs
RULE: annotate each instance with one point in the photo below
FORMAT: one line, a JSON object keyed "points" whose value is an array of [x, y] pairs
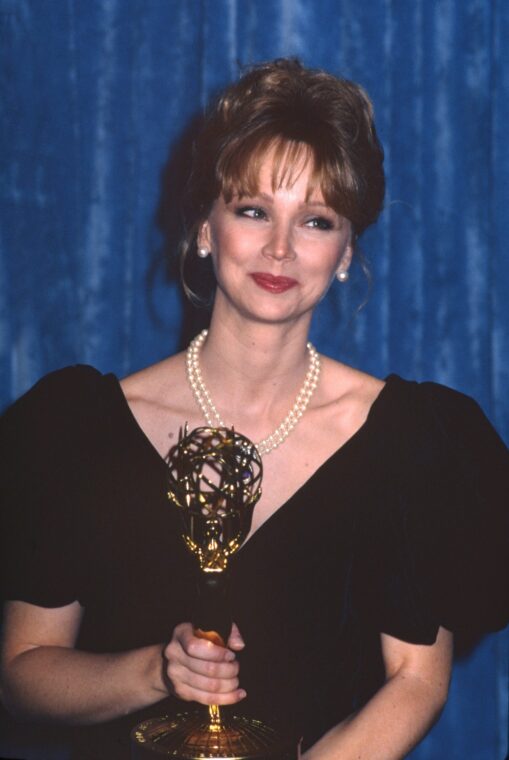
{"points": [[238, 170]]}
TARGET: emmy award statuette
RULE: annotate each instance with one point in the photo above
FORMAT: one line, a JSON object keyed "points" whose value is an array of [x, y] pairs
{"points": [[215, 481]]}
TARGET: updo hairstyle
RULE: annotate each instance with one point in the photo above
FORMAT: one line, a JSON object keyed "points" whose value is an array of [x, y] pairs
{"points": [[282, 105]]}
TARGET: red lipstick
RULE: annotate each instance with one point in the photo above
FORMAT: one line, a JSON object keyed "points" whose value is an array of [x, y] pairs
{"points": [[273, 284]]}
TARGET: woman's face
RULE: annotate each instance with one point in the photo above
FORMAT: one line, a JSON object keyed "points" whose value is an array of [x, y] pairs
{"points": [[276, 253]]}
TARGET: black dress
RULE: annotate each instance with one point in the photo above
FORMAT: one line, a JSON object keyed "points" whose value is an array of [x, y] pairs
{"points": [[403, 529]]}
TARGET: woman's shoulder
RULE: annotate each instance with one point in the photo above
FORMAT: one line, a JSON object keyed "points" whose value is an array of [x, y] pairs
{"points": [[63, 387], [57, 391], [342, 403], [433, 442], [343, 386], [442, 397], [67, 377], [160, 400], [159, 389], [60, 413], [439, 411], [157, 382], [342, 378], [413, 421]]}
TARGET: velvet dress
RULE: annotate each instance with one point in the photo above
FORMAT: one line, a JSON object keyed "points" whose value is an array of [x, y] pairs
{"points": [[403, 529]]}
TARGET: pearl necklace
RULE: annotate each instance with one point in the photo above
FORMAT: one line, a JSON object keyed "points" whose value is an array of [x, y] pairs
{"points": [[211, 414]]}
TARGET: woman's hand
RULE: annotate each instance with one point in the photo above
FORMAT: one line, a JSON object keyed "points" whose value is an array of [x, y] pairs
{"points": [[200, 671]]}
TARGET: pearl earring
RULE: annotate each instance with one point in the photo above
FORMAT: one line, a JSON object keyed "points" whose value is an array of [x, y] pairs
{"points": [[342, 275], [203, 253]]}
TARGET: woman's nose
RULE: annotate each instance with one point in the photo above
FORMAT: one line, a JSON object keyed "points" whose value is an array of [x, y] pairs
{"points": [[279, 246]]}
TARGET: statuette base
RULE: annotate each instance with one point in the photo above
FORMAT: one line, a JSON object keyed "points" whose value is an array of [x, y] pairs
{"points": [[189, 736]]}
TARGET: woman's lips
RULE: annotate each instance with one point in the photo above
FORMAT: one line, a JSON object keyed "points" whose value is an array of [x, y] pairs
{"points": [[273, 284]]}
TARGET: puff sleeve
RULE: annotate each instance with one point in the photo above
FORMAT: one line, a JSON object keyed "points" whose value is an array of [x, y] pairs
{"points": [[436, 552], [46, 446], [465, 562]]}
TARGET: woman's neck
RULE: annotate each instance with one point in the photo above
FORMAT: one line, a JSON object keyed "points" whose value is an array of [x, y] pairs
{"points": [[254, 369]]}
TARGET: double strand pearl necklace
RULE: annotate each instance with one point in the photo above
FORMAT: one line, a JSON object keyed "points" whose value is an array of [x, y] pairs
{"points": [[211, 414]]}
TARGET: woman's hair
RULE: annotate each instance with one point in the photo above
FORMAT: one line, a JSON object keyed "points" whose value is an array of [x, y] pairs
{"points": [[292, 110]]}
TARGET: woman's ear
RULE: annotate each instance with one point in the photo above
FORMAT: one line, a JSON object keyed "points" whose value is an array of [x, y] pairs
{"points": [[342, 273], [203, 240], [346, 258]]}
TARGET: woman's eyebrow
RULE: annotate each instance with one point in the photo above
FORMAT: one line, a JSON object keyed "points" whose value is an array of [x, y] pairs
{"points": [[270, 199], [311, 202], [257, 196]]}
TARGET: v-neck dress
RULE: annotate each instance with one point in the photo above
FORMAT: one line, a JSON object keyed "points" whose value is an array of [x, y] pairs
{"points": [[403, 529]]}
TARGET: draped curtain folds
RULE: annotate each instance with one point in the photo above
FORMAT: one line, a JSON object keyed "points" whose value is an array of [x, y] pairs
{"points": [[97, 95]]}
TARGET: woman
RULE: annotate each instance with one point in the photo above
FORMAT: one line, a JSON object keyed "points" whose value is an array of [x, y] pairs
{"points": [[358, 564]]}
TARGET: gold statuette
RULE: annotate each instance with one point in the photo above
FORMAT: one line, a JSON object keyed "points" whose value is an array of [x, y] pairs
{"points": [[215, 479]]}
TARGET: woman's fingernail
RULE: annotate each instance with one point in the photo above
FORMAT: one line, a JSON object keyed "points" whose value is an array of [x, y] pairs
{"points": [[242, 693], [229, 656]]}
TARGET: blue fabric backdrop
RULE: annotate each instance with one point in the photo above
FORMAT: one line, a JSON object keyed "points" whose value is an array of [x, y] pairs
{"points": [[96, 95]]}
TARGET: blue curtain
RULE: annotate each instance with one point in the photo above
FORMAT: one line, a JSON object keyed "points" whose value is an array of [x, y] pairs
{"points": [[97, 98]]}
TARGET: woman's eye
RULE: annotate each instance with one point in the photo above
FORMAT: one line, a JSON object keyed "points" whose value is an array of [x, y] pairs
{"points": [[252, 212], [320, 223]]}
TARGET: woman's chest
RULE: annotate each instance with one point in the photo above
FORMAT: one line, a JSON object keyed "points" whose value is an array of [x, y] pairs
{"points": [[137, 570], [302, 462]]}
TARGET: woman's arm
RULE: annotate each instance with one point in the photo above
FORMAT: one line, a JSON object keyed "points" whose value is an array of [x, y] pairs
{"points": [[401, 712], [44, 678]]}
